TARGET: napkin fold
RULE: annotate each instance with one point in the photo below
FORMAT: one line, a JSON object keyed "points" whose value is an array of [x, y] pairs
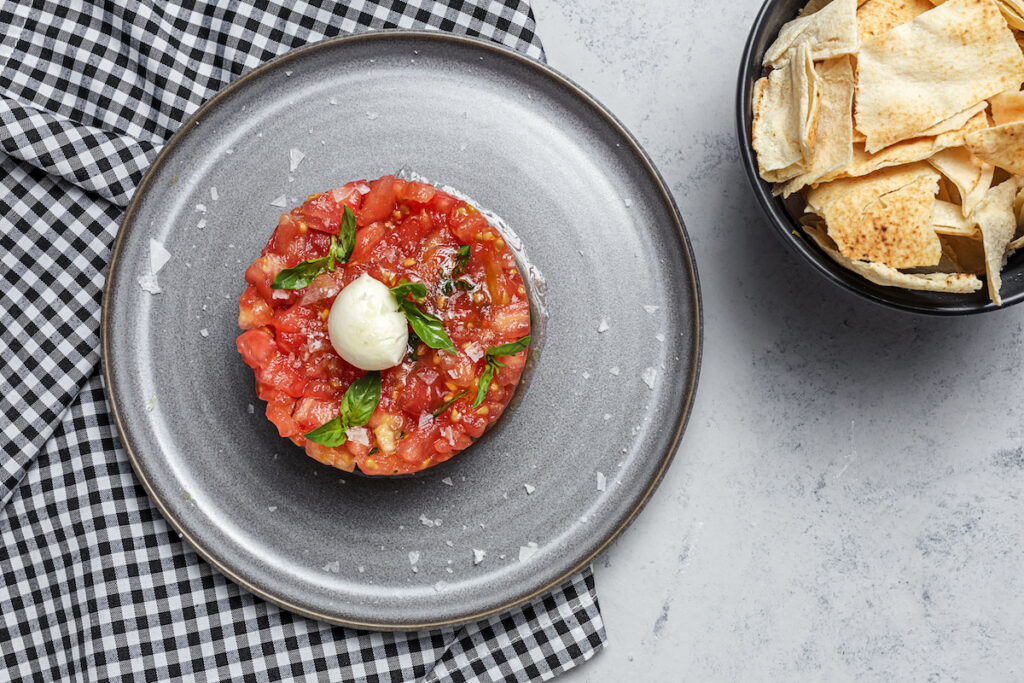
{"points": [[96, 584]]}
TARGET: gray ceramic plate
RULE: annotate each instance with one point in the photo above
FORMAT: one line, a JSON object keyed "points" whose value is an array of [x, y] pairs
{"points": [[597, 221]]}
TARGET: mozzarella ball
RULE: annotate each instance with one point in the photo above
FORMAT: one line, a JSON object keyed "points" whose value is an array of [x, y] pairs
{"points": [[366, 326]]}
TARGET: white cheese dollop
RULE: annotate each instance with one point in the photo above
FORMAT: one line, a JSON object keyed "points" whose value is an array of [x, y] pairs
{"points": [[366, 326]]}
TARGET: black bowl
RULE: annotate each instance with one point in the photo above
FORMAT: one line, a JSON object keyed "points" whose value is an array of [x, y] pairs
{"points": [[769, 20]]}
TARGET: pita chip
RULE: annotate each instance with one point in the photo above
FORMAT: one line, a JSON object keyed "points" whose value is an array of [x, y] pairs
{"points": [[947, 219], [876, 17], [971, 176], [1007, 107], [1001, 146], [831, 31], [1013, 12], [997, 222], [885, 217], [956, 121], [939, 64], [785, 117], [907, 151], [834, 133], [886, 276]]}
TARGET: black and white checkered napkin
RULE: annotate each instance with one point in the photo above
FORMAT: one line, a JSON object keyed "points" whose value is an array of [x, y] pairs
{"points": [[96, 585]]}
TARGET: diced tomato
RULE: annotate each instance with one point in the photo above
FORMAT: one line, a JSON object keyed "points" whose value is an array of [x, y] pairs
{"points": [[253, 311], [379, 201], [416, 193], [280, 372], [280, 413], [366, 240], [257, 348]]}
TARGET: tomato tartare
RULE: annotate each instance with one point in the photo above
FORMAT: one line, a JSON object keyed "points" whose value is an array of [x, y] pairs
{"points": [[442, 266]]}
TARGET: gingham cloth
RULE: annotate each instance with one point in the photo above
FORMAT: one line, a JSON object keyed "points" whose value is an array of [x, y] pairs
{"points": [[96, 585]]}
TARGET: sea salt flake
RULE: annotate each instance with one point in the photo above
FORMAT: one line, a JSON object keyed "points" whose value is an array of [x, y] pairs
{"points": [[437, 522], [250, 409], [425, 419], [614, 370], [372, 115], [607, 416], [358, 435], [601, 481], [295, 156], [478, 556], [279, 294], [201, 224], [149, 284], [333, 100], [627, 202], [447, 481], [449, 570], [204, 332], [214, 195], [648, 376], [414, 557], [426, 521], [527, 551], [529, 489], [603, 326], [272, 508], [361, 569], [586, 375], [474, 351], [450, 545], [158, 256], [660, 337], [201, 208], [650, 308], [440, 586], [287, 73], [333, 567], [280, 202]]}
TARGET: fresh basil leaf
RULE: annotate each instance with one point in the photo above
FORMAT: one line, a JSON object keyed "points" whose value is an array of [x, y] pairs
{"points": [[485, 383], [360, 400], [346, 237], [374, 450], [427, 327], [448, 404], [329, 434], [461, 259], [465, 285], [414, 343], [417, 289], [509, 349], [447, 288], [300, 275]]}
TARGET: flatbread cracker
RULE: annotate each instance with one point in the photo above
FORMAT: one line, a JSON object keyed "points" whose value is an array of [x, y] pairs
{"points": [[956, 121], [835, 124], [1001, 146], [997, 223], [971, 176], [783, 104], [1007, 107], [933, 67], [870, 222], [947, 219], [880, 274], [830, 31], [876, 17]]}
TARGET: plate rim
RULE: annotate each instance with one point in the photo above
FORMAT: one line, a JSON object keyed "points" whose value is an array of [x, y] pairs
{"points": [[502, 51]]}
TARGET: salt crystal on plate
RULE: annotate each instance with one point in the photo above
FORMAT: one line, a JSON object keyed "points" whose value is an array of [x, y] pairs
{"points": [[426, 521], [414, 556], [149, 284], [333, 100], [450, 545], [440, 586], [201, 224], [601, 481], [204, 332], [214, 195], [296, 157], [437, 522], [586, 375], [334, 567], [529, 489], [478, 556], [614, 370], [650, 308], [287, 73], [358, 435], [201, 208], [449, 570], [648, 376], [250, 409], [372, 115], [660, 337], [272, 508], [527, 551], [158, 256], [607, 416], [361, 569], [627, 202], [281, 202], [447, 481], [603, 326]]}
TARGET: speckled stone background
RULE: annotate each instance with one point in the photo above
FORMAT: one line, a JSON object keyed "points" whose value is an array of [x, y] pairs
{"points": [[847, 501]]}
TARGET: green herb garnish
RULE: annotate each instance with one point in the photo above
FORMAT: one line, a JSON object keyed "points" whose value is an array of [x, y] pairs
{"points": [[461, 259], [357, 406], [492, 365], [465, 285], [447, 288], [427, 327], [448, 404], [300, 275], [414, 343]]}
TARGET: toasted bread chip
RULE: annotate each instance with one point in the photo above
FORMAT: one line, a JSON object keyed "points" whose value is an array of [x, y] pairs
{"points": [[830, 31], [885, 217], [785, 117], [947, 219], [969, 252], [1007, 107], [956, 121], [880, 274], [971, 176], [937, 65], [1001, 146], [876, 17], [1013, 12], [835, 124], [905, 152], [997, 222]]}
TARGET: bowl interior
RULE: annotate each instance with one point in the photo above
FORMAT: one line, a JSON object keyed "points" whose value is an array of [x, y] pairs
{"points": [[766, 27]]}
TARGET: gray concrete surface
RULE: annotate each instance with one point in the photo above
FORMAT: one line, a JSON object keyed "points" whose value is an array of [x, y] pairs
{"points": [[847, 500]]}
